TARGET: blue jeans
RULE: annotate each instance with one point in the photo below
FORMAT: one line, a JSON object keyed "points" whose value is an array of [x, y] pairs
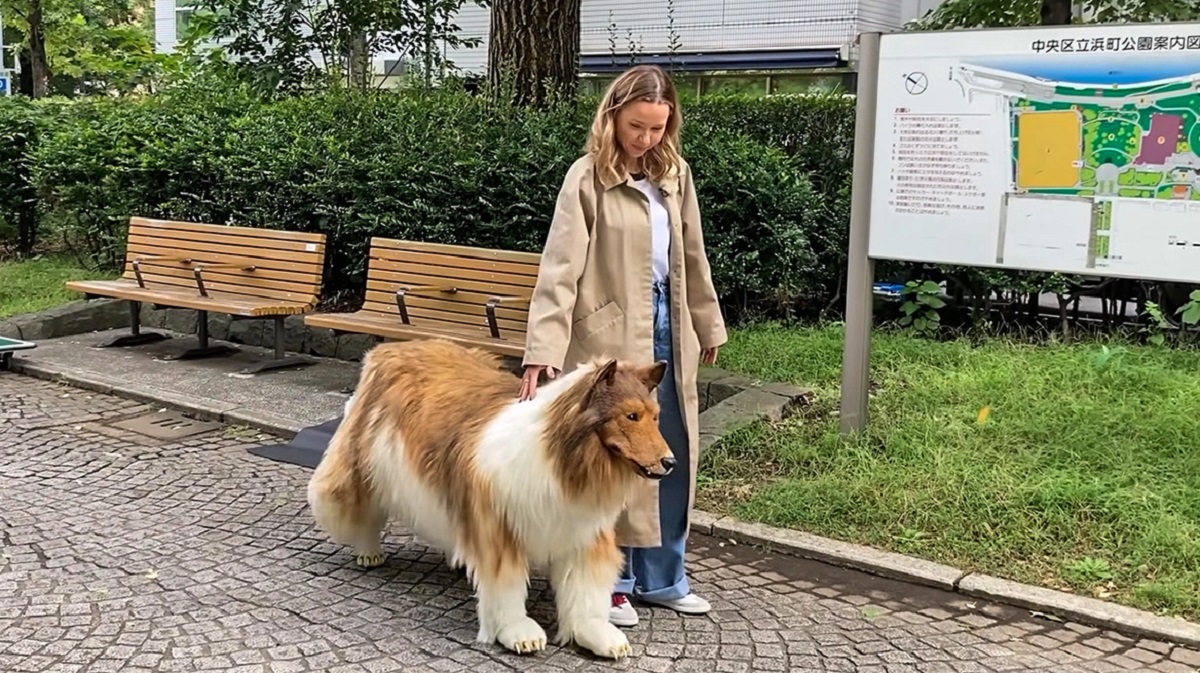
{"points": [[657, 573]]}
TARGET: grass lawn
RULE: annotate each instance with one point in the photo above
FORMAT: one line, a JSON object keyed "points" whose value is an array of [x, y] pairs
{"points": [[1084, 475], [28, 286]]}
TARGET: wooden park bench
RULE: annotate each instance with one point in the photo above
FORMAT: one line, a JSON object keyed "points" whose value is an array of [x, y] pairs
{"points": [[473, 296], [245, 272]]}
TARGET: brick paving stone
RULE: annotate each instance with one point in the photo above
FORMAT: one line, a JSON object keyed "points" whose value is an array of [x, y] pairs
{"points": [[1185, 656], [124, 553]]}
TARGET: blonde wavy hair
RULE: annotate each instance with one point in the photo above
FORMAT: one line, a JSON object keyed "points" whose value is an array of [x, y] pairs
{"points": [[648, 83]]}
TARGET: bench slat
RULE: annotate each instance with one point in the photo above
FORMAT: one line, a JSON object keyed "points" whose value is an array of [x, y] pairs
{"points": [[139, 245], [250, 281], [451, 262], [272, 247], [420, 315], [382, 298], [212, 285], [363, 324], [456, 250], [216, 302], [481, 287], [205, 227], [431, 271]]}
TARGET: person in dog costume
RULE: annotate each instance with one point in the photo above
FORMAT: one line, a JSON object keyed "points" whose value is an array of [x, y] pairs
{"points": [[624, 274]]}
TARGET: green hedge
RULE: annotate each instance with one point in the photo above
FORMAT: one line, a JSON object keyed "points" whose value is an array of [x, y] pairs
{"points": [[21, 123], [445, 167]]}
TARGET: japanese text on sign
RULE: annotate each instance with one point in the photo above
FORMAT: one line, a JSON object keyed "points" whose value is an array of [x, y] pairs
{"points": [[1089, 45]]}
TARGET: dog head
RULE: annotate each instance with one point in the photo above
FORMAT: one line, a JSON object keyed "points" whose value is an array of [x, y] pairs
{"points": [[622, 405]]}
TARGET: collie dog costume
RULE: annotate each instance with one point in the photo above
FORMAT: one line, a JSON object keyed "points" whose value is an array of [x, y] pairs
{"points": [[435, 436]]}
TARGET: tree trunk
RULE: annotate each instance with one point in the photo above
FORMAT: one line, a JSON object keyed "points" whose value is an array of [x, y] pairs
{"points": [[39, 66], [1056, 12], [360, 63], [533, 50]]}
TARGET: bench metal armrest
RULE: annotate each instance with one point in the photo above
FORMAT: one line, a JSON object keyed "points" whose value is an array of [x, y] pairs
{"points": [[417, 290], [493, 325], [198, 271], [137, 264]]}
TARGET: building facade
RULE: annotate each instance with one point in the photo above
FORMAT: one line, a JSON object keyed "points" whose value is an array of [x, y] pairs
{"points": [[765, 46]]}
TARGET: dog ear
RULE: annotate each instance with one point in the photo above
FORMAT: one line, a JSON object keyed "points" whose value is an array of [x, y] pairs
{"points": [[652, 375], [606, 374]]}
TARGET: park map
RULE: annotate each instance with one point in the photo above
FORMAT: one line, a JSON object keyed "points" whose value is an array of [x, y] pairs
{"points": [[1101, 141]]}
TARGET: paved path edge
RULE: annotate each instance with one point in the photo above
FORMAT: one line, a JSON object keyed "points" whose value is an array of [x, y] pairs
{"points": [[1048, 602]]}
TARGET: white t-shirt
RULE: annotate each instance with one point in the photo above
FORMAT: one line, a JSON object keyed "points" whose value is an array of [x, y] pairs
{"points": [[660, 228]]}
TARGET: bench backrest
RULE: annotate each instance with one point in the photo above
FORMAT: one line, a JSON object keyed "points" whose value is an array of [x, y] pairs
{"points": [[288, 265], [476, 275]]}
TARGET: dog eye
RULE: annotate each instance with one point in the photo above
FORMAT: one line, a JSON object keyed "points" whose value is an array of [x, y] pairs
{"points": [[632, 416]]}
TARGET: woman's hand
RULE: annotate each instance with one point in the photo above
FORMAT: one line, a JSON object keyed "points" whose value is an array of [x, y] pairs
{"points": [[529, 381], [709, 355]]}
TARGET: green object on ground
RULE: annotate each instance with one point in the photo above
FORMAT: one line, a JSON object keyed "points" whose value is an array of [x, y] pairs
{"points": [[9, 346]]}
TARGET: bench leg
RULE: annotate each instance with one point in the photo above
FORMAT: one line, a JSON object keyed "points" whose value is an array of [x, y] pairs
{"points": [[136, 336], [204, 349], [281, 359], [5, 361]]}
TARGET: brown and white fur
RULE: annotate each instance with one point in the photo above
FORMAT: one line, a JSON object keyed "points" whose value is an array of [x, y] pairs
{"points": [[435, 436]]}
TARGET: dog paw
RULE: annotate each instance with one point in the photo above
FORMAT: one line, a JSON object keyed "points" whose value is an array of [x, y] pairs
{"points": [[369, 559], [603, 639], [523, 636]]}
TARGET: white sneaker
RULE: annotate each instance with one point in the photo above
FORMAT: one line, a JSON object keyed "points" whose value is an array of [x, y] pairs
{"points": [[690, 604], [622, 613]]}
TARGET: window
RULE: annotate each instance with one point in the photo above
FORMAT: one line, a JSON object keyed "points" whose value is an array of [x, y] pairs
{"points": [[183, 12], [809, 83], [734, 84]]}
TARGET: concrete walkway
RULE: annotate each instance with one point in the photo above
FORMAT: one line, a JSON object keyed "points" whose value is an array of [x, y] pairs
{"points": [[125, 549], [282, 400]]}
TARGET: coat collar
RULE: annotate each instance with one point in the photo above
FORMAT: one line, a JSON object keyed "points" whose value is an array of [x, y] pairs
{"points": [[669, 185]]}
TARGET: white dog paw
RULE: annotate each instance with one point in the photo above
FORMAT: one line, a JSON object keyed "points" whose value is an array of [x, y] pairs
{"points": [[523, 636], [369, 559], [603, 639]]}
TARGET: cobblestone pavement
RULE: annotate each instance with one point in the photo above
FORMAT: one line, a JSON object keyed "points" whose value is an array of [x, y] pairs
{"points": [[119, 552]]}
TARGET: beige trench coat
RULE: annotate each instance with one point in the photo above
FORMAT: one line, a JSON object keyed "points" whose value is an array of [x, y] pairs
{"points": [[593, 299]]}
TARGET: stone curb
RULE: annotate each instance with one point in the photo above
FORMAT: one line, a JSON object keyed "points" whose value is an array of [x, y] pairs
{"points": [[1081, 609], [76, 317]]}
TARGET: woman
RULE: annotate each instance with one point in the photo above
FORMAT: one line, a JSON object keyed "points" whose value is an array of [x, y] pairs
{"points": [[624, 274]]}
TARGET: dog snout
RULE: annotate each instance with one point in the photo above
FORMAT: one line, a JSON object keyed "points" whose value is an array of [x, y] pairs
{"points": [[668, 463]]}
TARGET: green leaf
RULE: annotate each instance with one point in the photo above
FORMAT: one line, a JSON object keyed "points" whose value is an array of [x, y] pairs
{"points": [[933, 301], [1191, 316]]}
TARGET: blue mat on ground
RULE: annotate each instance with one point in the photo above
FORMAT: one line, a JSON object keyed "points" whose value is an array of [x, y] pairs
{"points": [[305, 449]]}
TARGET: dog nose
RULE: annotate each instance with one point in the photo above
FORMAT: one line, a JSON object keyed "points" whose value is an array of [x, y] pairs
{"points": [[668, 464]]}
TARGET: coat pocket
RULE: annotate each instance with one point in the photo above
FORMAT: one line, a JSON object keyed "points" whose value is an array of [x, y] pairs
{"points": [[597, 320]]}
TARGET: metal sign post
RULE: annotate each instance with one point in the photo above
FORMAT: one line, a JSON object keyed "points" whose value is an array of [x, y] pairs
{"points": [[856, 356]]}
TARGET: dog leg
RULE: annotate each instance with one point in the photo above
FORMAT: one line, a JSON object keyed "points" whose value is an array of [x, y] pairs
{"points": [[348, 519], [367, 551], [583, 584], [502, 580]]}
